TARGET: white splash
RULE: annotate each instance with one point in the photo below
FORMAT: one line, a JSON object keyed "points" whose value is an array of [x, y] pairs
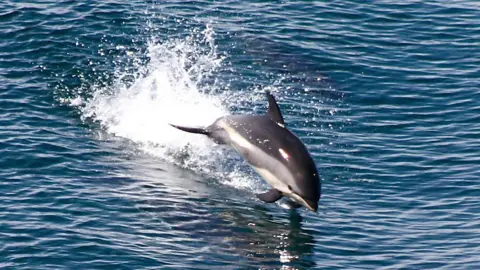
{"points": [[171, 88]]}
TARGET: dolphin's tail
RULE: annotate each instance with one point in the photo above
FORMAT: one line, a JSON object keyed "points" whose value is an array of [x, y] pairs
{"points": [[192, 129]]}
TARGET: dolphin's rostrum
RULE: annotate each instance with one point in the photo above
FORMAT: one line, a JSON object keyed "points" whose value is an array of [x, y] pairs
{"points": [[273, 151]]}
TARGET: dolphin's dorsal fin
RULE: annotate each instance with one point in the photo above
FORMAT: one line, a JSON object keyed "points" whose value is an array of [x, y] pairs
{"points": [[274, 111]]}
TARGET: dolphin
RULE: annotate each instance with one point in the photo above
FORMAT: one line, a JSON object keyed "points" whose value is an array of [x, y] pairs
{"points": [[273, 151]]}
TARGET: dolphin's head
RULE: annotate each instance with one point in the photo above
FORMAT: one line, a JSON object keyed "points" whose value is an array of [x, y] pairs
{"points": [[306, 190]]}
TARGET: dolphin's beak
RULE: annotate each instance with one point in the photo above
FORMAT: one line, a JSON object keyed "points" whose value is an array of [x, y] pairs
{"points": [[311, 205]]}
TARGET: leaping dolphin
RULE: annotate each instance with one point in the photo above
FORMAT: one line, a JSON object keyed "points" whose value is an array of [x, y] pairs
{"points": [[272, 150]]}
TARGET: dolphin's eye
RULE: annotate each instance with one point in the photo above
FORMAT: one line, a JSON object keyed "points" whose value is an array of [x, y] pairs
{"points": [[289, 187]]}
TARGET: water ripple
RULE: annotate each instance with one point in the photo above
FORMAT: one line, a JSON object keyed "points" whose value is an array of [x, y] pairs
{"points": [[384, 94]]}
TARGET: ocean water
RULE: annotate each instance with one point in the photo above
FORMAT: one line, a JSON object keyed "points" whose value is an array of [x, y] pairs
{"points": [[385, 94]]}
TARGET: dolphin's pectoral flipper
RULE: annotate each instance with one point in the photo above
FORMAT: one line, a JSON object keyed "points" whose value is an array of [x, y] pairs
{"points": [[270, 196], [192, 129], [274, 111]]}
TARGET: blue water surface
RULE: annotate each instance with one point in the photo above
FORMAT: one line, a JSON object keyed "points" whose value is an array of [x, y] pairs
{"points": [[385, 94]]}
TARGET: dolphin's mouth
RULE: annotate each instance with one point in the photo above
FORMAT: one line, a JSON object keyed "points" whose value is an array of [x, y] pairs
{"points": [[311, 205]]}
